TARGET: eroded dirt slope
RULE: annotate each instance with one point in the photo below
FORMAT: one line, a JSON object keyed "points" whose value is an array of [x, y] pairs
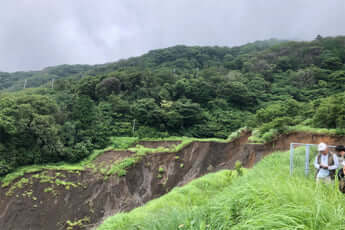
{"points": [[157, 144], [82, 199]]}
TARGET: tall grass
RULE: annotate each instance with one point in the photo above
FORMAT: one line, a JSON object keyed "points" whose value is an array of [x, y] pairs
{"points": [[231, 137], [266, 197], [174, 208], [258, 137], [308, 129]]}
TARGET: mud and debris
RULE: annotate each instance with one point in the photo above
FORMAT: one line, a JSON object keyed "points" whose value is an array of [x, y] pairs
{"points": [[53, 199]]}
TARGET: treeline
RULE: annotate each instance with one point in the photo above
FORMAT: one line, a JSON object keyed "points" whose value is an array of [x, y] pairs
{"points": [[190, 91], [16, 81]]}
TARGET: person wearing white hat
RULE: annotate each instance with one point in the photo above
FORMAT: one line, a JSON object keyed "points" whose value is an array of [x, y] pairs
{"points": [[326, 164]]}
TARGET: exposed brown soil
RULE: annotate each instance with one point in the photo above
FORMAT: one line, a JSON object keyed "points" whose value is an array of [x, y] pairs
{"points": [[157, 144], [34, 206], [110, 157]]}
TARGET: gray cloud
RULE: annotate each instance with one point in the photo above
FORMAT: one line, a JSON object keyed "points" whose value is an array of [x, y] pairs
{"points": [[39, 33]]}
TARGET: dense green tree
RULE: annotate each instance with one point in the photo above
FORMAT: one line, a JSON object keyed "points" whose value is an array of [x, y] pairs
{"points": [[147, 112], [87, 87], [108, 86], [28, 131], [235, 92], [288, 108], [338, 80], [331, 112]]}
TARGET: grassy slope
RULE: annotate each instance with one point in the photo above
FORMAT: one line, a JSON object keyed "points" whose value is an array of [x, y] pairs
{"points": [[266, 197]]}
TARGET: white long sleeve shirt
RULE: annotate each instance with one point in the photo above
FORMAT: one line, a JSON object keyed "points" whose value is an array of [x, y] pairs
{"points": [[341, 162], [324, 161]]}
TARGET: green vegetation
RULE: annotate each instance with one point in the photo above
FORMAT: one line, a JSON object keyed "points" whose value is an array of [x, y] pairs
{"points": [[15, 81], [122, 142], [197, 92], [195, 194], [120, 168], [38, 168], [56, 180], [50, 190], [18, 184], [265, 197], [78, 223]]}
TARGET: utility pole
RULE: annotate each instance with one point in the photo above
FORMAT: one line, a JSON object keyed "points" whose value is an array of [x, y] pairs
{"points": [[52, 83], [133, 127], [25, 83]]}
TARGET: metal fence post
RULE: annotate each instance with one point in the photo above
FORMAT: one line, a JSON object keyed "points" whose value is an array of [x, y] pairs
{"points": [[307, 156], [291, 158], [307, 150]]}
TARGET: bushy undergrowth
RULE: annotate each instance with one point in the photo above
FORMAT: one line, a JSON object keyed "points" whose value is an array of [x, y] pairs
{"points": [[266, 197], [120, 168], [116, 143], [269, 135]]}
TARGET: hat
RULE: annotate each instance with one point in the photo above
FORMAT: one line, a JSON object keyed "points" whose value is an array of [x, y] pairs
{"points": [[340, 148], [322, 147]]}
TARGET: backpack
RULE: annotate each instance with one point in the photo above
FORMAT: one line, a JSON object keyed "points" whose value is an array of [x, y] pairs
{"points": [[330, 163], [341, 178]]}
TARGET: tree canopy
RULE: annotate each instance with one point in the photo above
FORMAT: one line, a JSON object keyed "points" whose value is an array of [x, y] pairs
{"points": [[189, 91]]}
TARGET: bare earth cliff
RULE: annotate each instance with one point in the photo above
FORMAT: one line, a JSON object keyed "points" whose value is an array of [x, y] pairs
{"points": [[52, 199]]}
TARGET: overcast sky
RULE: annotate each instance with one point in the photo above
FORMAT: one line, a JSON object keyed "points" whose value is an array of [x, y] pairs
{"points": [[38, 33]]}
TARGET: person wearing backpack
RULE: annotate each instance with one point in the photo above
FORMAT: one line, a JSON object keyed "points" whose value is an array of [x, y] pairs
{"points": [[326, 164], [341, 155], [341, 178], [341, 173]]}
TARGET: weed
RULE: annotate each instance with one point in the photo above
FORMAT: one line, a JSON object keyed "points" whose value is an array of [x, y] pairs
{"points": [[78, 224], [18, 184]]}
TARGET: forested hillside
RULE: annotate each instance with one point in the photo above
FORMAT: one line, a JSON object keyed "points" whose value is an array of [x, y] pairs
{"points": [[268, 86]]}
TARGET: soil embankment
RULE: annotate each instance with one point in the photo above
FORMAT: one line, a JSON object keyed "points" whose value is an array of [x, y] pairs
{"points": [[81, 199], [157, 144]]}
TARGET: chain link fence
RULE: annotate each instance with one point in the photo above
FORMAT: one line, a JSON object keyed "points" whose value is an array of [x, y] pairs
{"points": [[302, 157]]}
